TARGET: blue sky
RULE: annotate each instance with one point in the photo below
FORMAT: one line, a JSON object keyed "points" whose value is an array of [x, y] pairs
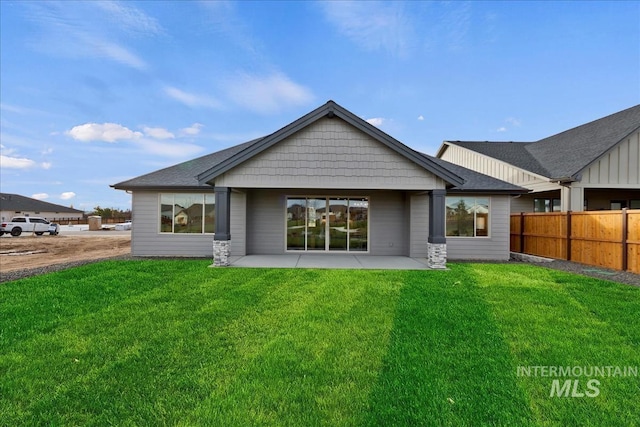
{"points": [[93, 93]]}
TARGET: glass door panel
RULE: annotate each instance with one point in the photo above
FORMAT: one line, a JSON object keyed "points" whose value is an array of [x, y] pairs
{"points": [[337, 218], [316, 224], [358, 224], [296, 209]]}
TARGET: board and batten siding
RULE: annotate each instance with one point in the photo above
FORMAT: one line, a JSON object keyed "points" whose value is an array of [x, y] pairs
{"points": [[494, 247], [618, 168], [146, 240], [332, 154], [266, 217], [496, 168]]}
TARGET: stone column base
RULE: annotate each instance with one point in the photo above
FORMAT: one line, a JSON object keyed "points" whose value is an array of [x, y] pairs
{"points": [[437, 255], [221, 253]]}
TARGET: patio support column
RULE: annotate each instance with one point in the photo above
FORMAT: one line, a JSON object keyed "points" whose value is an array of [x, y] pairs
{"points": [[222, 238], [437, 242]]}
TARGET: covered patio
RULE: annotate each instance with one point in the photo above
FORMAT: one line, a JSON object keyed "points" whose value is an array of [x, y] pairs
{"points": [[338, 261]]}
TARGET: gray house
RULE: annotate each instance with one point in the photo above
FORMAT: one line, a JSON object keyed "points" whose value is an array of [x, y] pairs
{"points": [[328, 183], [595, 166], [14, 204]]}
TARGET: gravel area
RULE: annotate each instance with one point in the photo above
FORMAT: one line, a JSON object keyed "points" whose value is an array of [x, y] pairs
{"points": [[593, 271], [30, 272]]}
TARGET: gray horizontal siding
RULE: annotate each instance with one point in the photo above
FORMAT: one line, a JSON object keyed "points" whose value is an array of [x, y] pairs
{"points": [[495, 247], [147, 241], [388, 229], [238, 224], [419, 223]]}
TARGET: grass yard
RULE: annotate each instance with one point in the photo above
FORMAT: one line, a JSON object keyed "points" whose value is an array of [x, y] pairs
{"points": [[174, 342]]}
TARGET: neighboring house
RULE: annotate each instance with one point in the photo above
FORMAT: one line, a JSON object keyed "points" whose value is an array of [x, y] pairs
{"points": [[327, 183], [15, 204], [595, 166]]}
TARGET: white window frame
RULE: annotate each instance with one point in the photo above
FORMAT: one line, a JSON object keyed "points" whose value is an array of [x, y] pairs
{"points": [[172, 232], [468, 196]]}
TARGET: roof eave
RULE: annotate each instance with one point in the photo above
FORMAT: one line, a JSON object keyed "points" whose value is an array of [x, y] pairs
{"points": [[330, 109]]}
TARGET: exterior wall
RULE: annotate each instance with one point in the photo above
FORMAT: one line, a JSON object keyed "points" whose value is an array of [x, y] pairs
{"points": [[494, 247], [333, 154], [618, 168], [496, 168], [238, 223], [388, 229], [146, 240], [419, 225], [51, 216]]}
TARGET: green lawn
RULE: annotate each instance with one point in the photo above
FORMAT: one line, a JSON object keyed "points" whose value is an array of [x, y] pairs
{"points": [[177, 343]]}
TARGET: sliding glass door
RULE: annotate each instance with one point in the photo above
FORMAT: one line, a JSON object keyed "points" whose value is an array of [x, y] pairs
{"points": [[337, 224]]}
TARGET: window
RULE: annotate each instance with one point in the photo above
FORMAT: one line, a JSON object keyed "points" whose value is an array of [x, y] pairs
{"points": [[546, 205], [634, 204], [467, 216], [187, 213], [328, 224]]}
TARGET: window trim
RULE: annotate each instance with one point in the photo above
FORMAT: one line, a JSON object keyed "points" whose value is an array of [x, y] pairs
{"points": [[490, 215], [172, 232]]}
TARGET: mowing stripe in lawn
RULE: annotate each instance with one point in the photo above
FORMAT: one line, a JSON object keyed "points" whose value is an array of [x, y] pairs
{"points": [[552, 318], [135, 357], [309, 356], [447, 363]]}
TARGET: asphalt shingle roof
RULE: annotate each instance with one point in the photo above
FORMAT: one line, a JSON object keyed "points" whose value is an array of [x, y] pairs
{"points": [[566, 154], [18, 203], [182, 175]]}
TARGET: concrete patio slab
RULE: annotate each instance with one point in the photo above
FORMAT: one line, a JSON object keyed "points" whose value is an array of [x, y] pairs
{"points": [[262, 261], [342, 261]]}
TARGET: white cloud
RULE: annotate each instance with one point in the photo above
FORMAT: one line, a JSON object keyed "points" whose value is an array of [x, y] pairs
{"points": [[373, 25], [47, 151], [376, 121], [67, 195], [40, 196], [267, 94], [130, 18], [194, 129], [158, 133], [191, 99], [107, 132], [501, 129], [513, 121], [45, 165], [15, 162], [420, 117], [80, 30]]}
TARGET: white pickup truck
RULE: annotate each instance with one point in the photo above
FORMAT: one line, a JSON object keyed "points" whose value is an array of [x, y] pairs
{"points": [[27, 224]]}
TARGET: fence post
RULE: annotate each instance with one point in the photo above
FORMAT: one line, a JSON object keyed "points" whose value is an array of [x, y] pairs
{"points": [[568, 236], [521, 232], [625, 235]]}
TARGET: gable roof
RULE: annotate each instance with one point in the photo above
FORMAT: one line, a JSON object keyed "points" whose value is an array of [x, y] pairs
{"points": [[476, 182], [330, 110], [562, 156], [18, 203], [182, 175]]}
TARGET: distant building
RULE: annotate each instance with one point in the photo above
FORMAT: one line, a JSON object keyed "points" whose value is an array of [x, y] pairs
{"points": [[14, 204]]}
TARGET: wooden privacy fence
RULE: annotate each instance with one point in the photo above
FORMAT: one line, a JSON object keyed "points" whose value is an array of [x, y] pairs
{"points": [[608, 239]]}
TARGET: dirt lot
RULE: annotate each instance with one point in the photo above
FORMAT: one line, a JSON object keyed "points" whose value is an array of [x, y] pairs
{"points": [[18, 253]]}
